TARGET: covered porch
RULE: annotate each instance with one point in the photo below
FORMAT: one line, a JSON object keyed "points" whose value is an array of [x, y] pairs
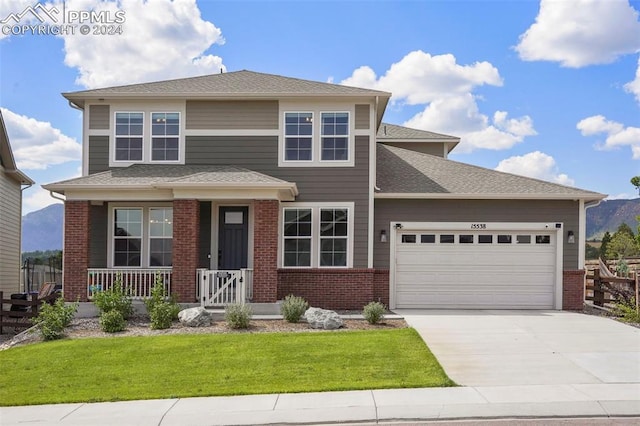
{"points": [[208, 233]]}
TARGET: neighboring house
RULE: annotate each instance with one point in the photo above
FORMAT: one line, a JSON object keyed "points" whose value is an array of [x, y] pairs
{"points": [[11, 181], [301, 187]]}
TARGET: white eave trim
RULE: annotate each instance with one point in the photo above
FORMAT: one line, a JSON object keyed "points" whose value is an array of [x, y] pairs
{"points": [[460, 196]]}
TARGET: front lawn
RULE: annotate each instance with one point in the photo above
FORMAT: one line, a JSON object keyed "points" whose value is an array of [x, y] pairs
{"points": [[126, 368]]}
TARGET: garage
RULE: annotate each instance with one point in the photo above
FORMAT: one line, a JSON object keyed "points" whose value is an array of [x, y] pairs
{"points": [[476, 265]]}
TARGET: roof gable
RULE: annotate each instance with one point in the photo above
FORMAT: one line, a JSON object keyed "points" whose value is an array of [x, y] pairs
{"points": [[404, 173], [6, 157]]}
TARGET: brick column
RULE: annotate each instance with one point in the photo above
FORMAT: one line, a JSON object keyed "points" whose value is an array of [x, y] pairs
{"points": [[573, 290], [186, 243], [265, 251], [77, 222]]}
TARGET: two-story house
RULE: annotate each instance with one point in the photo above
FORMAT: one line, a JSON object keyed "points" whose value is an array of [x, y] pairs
{"points": [[253, 186], [12, 181]]}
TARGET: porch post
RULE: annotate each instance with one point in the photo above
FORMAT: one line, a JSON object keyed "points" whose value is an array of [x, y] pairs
{"points": [[265, 248], [77, 222], [186, 243]]}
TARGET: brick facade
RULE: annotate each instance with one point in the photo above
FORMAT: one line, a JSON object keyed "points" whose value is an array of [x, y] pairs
{"points": [[77, 221], [381, 286], [186, 243], [332, 288], [265, 251], [573, 290]]}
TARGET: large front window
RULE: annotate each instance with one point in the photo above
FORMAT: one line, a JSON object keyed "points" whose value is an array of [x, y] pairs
{"points": [[129, 136], [316, 236], [142, 237], [165, 136]]}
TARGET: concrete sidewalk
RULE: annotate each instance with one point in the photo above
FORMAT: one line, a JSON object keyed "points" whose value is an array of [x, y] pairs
{"points": [[482, 402]]}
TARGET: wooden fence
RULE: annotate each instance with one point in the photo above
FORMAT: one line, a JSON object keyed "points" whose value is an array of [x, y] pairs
{"points": [[19, 313], [604, 290]]}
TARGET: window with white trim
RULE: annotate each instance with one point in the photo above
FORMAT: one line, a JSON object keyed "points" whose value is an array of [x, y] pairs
{"points": [[165, 136], [298, 136], [142, 237], [317, 236], [127, 237], [129, 136], [334, 136], [297, 237], [333, 237], [160, 236]]}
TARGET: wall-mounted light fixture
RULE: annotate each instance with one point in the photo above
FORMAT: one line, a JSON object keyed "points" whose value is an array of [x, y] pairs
{"points": [[383, 236], [571, 238]]}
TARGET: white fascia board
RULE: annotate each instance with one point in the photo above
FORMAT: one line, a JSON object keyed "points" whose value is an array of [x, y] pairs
{"points": [[459, 196], [119, 195], [478, 226], [417, 140], [233, 194]]}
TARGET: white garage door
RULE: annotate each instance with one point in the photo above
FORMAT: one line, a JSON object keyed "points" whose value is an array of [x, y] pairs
{"points": [[475, 269]]}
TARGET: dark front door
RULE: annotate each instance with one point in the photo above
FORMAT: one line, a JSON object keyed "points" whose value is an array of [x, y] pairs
{"points": [[233, 237]]}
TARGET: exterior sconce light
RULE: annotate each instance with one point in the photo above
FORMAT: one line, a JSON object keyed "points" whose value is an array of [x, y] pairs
{"points": [[571, 238], [383, 236]]}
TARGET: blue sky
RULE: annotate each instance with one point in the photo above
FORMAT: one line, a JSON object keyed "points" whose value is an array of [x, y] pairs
{"points": [[548, 89]]}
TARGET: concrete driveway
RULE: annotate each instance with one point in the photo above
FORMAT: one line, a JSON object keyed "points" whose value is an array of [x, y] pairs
{"points": [[513, 348]]}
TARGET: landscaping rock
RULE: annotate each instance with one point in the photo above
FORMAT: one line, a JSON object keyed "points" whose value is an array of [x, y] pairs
{"points": [[323, 318], [195, 317]]}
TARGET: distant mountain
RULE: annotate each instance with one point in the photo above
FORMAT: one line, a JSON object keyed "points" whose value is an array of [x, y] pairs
{"points": [[42, 229], [609, 215]]}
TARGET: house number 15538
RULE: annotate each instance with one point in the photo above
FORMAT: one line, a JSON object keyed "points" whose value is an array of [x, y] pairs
{"points": [[478, 226]]}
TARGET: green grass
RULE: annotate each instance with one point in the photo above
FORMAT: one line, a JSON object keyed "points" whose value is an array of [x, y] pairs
{"points": [[126, 368]]}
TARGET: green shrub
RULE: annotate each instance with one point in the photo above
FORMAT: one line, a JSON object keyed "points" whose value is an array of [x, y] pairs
{"points": [[374, 312], [628, 311], [237, 315], [158, 297], [293, 308], [53, 319], [112, 321], [162, 315], [115, 298]]}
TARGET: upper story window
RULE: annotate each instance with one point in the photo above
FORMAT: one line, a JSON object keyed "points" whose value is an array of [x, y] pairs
{"points": [[129, 136], [147, 137], [316, 137], [335, 136], [298, 136], [165, 136]]}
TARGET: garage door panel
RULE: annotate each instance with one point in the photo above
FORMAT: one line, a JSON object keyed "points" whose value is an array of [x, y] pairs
{"points": [[482, 276]]}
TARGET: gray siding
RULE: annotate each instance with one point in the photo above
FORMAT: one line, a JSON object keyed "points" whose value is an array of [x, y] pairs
{"points": [[317, 184], [475, 211], [98, 154], [232, 115], [99, 116], [361, 120], [205, 234], [431, 148], [10, 221], [98, 236]]}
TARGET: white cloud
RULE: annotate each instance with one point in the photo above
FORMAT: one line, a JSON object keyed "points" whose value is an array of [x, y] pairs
{"points": [[37, 199], [617, 135], [578, 33], [37, 144], [446, 89], [633, 86], [536, 165], [161, 39]]}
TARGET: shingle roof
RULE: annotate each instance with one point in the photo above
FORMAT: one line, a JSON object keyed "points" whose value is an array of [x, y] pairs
{"points": [[388, 131], [162, 175], [238, 83], [401, 171]]}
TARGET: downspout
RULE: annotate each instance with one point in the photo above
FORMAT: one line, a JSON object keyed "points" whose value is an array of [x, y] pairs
{"points": [[582, 240]]}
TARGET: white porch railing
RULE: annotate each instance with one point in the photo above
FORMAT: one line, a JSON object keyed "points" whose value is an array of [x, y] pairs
{"points": [[138, 281], [219, 288]]}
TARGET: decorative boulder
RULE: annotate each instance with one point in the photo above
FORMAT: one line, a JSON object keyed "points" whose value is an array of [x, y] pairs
{"points": [[195, 317], [322, 318]]}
